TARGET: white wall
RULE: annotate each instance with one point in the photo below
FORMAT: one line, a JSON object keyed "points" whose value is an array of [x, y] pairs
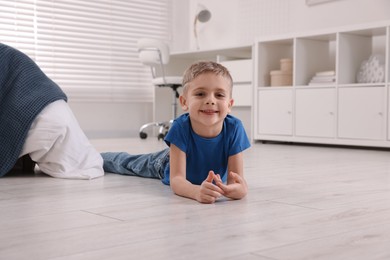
{"points": [[338, 13], [111, 120], [239, 22]]}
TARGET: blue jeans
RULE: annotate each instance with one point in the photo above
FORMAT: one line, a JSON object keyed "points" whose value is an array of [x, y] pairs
{"points": [[150, 165]]}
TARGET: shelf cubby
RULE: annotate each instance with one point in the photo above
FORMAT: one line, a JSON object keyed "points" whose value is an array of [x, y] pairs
{"points": [[356, 47], [314, 54], [270, 53]]}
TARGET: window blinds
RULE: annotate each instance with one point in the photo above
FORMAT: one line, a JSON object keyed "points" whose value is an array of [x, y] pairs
{"points": [[88, 47]]}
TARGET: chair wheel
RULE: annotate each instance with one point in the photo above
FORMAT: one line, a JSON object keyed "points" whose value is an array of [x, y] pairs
{"points": [[160, 136], [143, 135]]}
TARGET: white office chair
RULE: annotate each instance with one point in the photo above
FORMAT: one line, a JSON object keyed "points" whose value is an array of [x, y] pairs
{"points": [[155, 53]]}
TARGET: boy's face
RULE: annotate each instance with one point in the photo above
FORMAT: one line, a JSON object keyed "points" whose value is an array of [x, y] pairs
{"points": [[208, 101]]}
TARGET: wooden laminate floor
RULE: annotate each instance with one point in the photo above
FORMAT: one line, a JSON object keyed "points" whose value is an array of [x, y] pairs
{"points": [[304, 202]]}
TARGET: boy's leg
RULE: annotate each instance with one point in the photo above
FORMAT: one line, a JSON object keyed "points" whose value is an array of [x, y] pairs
{"points": [[150, 165]]}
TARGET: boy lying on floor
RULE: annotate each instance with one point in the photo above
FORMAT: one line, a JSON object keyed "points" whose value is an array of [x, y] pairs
{"points": [[204, 160]]}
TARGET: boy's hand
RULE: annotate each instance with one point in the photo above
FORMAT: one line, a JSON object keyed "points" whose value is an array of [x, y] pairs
{"points": [[237, 187], [209, 192]]}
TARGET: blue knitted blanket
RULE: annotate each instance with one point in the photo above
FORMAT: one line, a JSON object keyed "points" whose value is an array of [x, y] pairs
{"points": [[24, 91]]}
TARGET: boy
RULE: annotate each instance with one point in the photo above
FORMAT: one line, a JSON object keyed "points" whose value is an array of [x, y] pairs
{"points": [[205, 144]]}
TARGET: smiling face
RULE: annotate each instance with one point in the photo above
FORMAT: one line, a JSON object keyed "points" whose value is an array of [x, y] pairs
{"points": [[207, 98]]}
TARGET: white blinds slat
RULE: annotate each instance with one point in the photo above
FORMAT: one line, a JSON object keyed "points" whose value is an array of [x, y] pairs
{"points": [[88, 45]]}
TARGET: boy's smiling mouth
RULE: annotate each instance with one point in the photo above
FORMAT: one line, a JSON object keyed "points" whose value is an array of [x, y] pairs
{"points": [[209, 111]]}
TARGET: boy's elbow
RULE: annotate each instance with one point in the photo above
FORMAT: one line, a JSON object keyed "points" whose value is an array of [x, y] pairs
{"points": [[181, 187], [175, 183]]}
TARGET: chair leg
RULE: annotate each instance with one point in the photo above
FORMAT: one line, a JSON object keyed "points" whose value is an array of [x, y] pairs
{"points": [[163, 126], [144, 135], [162, 132]]}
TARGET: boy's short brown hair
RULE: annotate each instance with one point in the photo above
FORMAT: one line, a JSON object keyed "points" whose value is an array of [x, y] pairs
{"points": [[203, 67]]}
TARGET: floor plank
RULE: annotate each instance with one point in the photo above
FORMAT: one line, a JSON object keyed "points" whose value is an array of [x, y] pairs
{"points": [[371, 243]]}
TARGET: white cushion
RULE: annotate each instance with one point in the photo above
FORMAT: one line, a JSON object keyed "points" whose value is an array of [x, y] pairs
{"points": [[149, 57], [169, 80]]}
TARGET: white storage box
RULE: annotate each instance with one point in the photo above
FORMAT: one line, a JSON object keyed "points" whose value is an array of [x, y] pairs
{"points": [[281, 78], [286, 65]]}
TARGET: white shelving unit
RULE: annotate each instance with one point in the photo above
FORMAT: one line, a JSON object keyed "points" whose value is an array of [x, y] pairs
{"points": [[342, 112]]}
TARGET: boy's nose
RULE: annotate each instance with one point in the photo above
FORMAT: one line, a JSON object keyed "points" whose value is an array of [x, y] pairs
{"points": [[210, 100]]}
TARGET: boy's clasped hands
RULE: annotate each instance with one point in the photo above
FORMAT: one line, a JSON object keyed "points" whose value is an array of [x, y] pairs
{"points": [[213, 187]]}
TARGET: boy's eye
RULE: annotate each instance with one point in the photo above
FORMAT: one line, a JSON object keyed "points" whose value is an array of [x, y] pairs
{"points": [[199, 94]]}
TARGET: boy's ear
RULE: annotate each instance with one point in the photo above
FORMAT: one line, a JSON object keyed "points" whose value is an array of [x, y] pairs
{"points": [[230, 105], [183, 103]]}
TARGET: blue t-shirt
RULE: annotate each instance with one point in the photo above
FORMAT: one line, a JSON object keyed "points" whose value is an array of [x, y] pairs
{"points": [[205, 154]]}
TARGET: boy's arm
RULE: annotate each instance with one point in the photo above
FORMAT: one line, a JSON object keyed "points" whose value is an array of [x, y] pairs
{"points": [[207, 192], [236, 187]]}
